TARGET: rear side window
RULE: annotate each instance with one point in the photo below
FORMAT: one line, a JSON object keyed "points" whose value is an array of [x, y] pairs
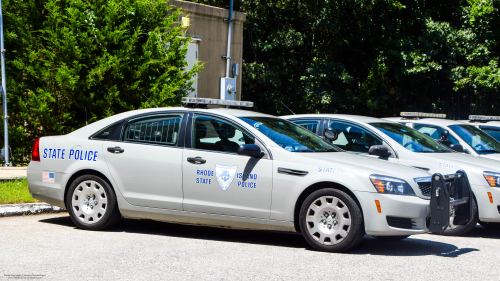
{"points": [[105, 133], [157, 129]]}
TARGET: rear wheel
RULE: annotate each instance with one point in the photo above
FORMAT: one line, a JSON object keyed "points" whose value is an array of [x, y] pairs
{"points": [[458, 230], [331, 221], [92, 203]]}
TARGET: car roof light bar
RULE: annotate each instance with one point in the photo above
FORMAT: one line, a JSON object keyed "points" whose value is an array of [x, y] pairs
{"points": [[483, 118], [207, 101], [422, 114]]}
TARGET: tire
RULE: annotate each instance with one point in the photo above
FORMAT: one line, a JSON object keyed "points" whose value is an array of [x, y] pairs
{"points": [[490, 225], [391, 238], [460, 230], [337, 233], [92, 204]]}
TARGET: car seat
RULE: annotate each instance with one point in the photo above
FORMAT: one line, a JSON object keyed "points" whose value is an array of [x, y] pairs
{"points": [[225, 132]]}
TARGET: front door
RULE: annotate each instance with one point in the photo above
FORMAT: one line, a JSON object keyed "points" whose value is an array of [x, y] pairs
{"points": [[146, 164], [219, 181]]}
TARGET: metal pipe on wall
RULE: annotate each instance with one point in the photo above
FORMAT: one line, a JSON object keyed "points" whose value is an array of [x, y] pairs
{"points": [[4, 91], [230, 32]]}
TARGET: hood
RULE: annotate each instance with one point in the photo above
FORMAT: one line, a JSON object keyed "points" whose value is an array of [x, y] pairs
{"points": [[467, 162], [364, 165], [494, 156]]}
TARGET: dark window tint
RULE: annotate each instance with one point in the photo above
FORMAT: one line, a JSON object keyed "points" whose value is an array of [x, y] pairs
{"points": [[480, 141], [210, 133], [157, 129], [435, 133], [105, 133], [311, 125], [353, 138]]}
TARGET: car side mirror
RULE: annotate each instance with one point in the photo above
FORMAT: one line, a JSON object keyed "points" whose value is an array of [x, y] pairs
{"points": [[251, 150], [457, 147], [444, 135], [330, 134], [379, 150]]}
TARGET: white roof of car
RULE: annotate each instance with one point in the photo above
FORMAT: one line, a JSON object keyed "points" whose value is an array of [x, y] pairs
{"points": [[358, 118], [432, 121], [96, 126]]}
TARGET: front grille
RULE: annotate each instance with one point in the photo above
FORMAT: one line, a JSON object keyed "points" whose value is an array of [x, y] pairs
{"points": [[425, 188], [406, 223]]}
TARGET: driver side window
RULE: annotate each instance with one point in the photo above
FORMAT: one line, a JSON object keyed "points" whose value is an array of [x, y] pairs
{"points": [[435, 133], [210, 133], [353, 138]]}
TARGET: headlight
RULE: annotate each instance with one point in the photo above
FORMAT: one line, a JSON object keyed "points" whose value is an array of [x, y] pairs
{"points": [[389, 185], [492, 178]]}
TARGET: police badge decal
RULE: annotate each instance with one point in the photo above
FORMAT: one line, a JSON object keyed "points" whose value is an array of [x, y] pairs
{"points": [[225, 175]]}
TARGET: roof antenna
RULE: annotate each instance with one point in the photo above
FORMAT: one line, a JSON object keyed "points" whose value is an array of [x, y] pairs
{"points": [[287, 107], [86, 123], [149, 100]]}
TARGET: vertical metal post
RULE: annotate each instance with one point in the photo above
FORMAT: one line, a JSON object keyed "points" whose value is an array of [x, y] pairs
{"points": [[4, 92], [230, 32]]}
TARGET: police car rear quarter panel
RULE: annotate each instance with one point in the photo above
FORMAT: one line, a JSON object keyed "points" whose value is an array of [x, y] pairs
{"points": [[64, 156]]}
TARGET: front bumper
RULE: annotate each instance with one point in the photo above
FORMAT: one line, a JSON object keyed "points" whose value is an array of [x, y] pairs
{"points": [[394, 209]]}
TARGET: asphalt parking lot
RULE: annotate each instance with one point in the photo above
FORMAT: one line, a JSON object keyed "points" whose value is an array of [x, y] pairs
{"points": [[49, 247]]}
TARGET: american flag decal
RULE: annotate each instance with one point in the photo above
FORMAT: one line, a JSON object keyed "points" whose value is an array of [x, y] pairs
{"points": [[48, 177]]}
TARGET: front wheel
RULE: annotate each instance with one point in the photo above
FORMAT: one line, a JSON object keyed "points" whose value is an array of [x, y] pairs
{"points": [[92, 203], [331, 221], [459, 230]]}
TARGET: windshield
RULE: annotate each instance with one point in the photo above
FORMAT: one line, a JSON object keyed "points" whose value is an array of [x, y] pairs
{"points": [[480, 141], [288, 135], [410, 139]]}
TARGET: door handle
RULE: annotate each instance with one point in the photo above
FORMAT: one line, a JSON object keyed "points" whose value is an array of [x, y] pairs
{"points": [[196, 160], [116, 149]]}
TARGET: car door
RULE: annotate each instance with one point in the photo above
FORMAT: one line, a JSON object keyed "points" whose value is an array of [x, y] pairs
{"points": [[216, 180], [146, 162]]}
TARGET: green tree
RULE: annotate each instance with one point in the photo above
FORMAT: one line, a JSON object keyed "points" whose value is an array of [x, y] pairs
{"points": [[73, 60]]}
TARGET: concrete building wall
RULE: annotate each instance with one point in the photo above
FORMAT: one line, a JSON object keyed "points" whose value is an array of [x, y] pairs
{"points": [[207, 24]]}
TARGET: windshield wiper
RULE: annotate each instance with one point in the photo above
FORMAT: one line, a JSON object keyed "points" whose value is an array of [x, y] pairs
{"points": [[426, 151]]}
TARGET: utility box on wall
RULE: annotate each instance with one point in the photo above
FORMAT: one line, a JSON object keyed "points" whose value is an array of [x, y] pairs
{"points": [[207, 26], [227, 88]]}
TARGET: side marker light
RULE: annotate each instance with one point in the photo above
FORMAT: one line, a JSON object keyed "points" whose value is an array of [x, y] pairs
{"points": [[379, 209], [491, 197]]}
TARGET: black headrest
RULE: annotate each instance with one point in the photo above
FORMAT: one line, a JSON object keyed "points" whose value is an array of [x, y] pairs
{"points": [[201, 131], [354, 133], [226, 131]]}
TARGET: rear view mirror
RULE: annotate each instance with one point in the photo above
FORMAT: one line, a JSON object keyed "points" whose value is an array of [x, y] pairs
{"points": [[444, 135], [379, 150], [251, 150], [330, 134], [457, 147]]}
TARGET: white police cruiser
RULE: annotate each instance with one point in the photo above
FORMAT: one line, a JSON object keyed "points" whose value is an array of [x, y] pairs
{"points": [[397, 143], [489, 124], [465, 138], [230, 168]]}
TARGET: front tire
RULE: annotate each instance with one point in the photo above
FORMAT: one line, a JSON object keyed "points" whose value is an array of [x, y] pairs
{"points": [[331, 221], [92, 203], [459, 230]]}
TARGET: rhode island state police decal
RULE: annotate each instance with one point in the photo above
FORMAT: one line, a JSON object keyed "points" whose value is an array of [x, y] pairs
{"points": [[225, 175]]}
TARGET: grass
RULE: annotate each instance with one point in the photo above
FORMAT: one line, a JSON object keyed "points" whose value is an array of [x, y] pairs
{"points": [[15, 191]]}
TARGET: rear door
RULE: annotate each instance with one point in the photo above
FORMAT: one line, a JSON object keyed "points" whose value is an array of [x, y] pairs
{"points": [[146, 162]]}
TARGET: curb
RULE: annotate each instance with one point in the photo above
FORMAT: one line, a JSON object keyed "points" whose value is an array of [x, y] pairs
{"points": [[28, 209]]}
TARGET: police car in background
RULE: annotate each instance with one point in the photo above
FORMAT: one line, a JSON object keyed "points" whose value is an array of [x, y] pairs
{"points": [[460, 137], [397, 143], [489, 124], [230, 168]]}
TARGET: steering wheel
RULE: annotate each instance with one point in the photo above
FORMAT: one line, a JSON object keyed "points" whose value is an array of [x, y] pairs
{"points": [[413, 143]]}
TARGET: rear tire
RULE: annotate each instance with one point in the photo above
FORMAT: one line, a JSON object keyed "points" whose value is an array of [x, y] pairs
{"points": [[331, 221], [490, 225], [92, 204], [459, 230], [390, 238]]}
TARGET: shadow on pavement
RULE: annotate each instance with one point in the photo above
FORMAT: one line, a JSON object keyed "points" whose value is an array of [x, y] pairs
{"points": [[407, 247], [481, 232]]}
